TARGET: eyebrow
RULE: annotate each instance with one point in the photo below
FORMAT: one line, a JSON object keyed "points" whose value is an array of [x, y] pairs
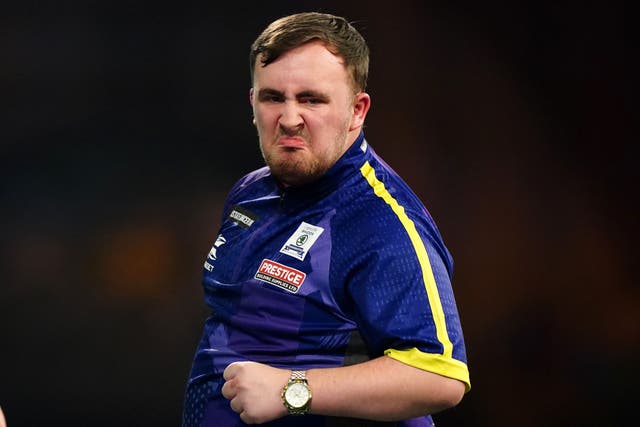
{"points": [[312, 94], [269, 92]]}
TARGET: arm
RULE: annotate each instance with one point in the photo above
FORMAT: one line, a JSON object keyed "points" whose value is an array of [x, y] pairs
{"points": [[381, 389]]}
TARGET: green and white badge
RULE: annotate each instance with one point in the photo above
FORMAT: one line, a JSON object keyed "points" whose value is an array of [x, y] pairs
{"points": [[301, 241]]}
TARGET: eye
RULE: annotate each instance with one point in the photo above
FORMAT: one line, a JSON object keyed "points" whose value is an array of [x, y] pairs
{"points": [[311, 100], [271, 97]]}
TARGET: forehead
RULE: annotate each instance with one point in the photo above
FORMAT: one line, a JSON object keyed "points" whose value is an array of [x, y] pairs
{"points": [[311, 65]]}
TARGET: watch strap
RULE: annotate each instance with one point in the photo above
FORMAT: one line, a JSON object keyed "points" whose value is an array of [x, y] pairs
{"points": [[299, 375]]}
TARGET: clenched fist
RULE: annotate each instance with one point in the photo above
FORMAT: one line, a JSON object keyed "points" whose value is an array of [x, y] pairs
{"points": [[254, 391]]}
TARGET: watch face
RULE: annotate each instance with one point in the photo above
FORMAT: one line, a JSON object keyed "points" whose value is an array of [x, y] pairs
{"points": [[297, 395]]}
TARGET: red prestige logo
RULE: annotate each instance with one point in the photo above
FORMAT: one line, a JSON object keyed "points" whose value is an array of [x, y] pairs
{"points": [[280, 275]]}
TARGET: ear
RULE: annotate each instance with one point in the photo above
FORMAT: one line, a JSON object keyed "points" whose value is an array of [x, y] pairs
{"points": [[360, 110], [253, 118]]}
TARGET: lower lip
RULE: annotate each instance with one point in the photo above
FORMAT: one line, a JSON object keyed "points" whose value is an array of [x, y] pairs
{"points": [[291, 142]]}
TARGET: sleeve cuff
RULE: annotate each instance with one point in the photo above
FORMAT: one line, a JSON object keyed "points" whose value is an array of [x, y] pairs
{"points": [[436, 363]]}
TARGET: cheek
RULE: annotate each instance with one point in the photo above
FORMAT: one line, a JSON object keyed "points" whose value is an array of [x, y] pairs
{"points": [[263, 117], [259, 122], [333, 124], [324, 121]]}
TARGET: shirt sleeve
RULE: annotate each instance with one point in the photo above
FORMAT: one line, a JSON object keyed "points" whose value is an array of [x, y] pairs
{"points": [[401, 289]]}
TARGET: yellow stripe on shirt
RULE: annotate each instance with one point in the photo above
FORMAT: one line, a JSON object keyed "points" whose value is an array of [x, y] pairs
{"points": [[443, 364], [427, 274]]}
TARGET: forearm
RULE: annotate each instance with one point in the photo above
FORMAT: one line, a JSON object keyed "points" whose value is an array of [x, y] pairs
{"points": [[381, 389]]}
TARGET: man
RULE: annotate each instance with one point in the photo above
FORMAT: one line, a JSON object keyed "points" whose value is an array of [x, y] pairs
{"points": [[329, 283]]}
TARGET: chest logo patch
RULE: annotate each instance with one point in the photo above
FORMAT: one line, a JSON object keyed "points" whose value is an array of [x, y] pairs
{"points": [[301, 241], [280, 275]]}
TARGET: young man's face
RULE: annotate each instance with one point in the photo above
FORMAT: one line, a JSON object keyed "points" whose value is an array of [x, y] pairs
{"points": [[306, 112]]}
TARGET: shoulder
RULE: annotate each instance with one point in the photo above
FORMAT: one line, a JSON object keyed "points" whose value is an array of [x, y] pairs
{"points": [[382, 195], [251, 181], [385, 210], [252, 177]]}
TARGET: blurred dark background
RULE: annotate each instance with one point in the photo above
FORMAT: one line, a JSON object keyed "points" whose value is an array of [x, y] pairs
{"points": [[123, 125]]}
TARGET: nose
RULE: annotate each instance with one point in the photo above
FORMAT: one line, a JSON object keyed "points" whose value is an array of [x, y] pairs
{"points": [[290, 120]]}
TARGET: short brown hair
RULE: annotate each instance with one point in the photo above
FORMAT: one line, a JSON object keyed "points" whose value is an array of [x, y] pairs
{"points": [[339, 36]]}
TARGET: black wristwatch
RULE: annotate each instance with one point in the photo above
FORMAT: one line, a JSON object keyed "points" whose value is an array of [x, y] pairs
{"points": [[296, 394]]}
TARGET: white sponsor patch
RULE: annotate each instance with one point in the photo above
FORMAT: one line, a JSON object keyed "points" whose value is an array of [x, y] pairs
{"points": [[301, 241]]}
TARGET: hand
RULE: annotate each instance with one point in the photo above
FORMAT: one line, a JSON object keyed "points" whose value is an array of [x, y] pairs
{"points": [[254, 391]]}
